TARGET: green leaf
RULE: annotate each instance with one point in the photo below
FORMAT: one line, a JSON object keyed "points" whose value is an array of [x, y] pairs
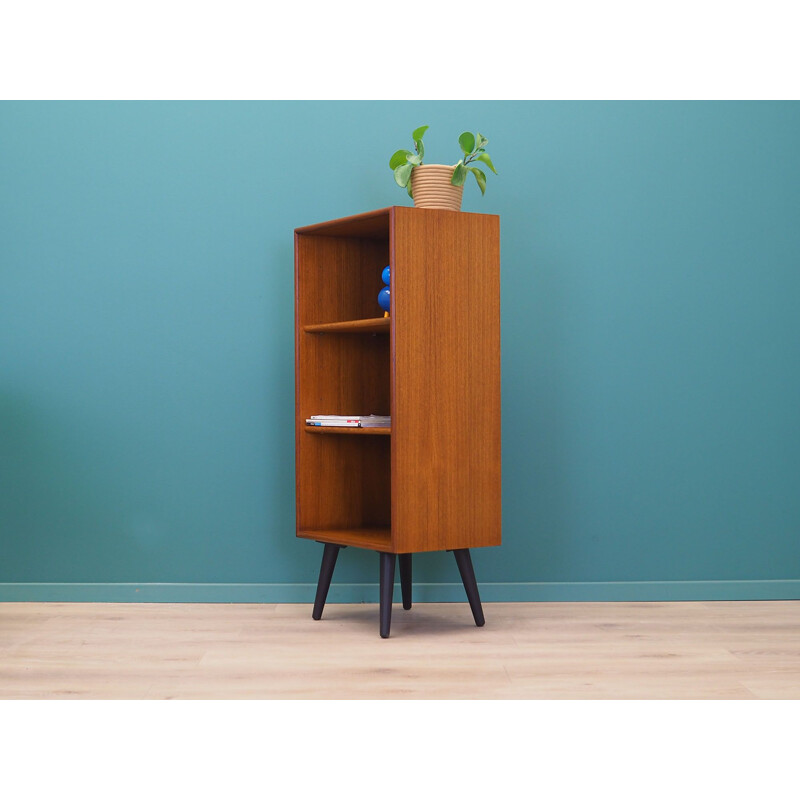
{"points": [[417, 137], [459, 175], [467, 142], [480, 177], [398, 158], [415, 160], [408, 189], [488, 161], [402, 174], [482, 141]]}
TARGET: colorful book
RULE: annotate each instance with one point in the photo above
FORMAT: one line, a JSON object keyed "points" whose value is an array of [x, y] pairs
{"points": [[350, 421], [334, 420]]}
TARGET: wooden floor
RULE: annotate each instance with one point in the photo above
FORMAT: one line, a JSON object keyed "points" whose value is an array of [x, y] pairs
{"points": [[526, 650]]}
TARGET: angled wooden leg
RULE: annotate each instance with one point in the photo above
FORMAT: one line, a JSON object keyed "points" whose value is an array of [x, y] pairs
{"points": [[387, 587], [404, 559], [470, 584], [329, 556]]}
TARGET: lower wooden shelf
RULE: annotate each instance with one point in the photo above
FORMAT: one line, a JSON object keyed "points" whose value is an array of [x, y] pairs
{"points": [[357, 431], [370, 538]]}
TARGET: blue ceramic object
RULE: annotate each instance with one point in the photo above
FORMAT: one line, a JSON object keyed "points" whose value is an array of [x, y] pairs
{"points": [[385, 276], [383, 298]]}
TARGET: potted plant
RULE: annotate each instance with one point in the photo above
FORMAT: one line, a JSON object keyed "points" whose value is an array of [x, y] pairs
{"points": [[440, 185]]}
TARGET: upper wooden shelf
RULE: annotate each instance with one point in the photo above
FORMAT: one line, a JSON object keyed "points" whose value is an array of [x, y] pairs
{"points": [[377, 325]]}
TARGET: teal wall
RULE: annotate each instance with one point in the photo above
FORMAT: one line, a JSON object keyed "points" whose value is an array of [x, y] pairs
{"points": [[651, 344]]}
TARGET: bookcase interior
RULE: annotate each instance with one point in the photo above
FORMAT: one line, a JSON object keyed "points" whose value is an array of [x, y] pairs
{"points": [[351, 486], [344, 481], [340, 277]]}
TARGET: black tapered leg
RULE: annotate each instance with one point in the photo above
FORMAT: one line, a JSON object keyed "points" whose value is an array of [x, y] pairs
{"points": [[404, 559], [470, 584], [387, 587], [329, 556]]}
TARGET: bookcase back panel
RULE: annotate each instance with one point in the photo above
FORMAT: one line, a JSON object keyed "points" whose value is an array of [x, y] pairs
{"points": [[343, 374], [349, 487], [339, 278]]}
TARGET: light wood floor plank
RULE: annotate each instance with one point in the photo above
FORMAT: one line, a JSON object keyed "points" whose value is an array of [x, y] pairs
{"points": [[733, 650]]}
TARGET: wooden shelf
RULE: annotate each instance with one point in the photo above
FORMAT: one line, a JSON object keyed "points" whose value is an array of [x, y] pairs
{"points": [[348, 430], [377, 325], [379, 539]]}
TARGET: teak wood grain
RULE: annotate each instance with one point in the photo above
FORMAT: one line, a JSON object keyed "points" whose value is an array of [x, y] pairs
{"points": [[434, 484], [380, 325], [446, 380], [379, 539]]}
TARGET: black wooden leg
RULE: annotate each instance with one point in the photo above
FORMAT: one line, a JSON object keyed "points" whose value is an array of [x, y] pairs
{"points": [[325, 574], [387, 587], [404, 560], [470, 584]]}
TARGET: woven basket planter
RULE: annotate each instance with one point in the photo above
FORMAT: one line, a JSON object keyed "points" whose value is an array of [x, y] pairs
{"points": [[431, 187]]}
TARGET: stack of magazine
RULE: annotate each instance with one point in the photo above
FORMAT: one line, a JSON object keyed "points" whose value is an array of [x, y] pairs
{"points": [[349, 421]]}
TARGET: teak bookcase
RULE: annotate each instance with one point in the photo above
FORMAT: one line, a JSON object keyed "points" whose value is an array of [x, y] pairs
{"points": [[432, 480]]}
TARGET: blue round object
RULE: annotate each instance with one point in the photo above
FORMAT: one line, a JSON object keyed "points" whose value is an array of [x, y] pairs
{"points": [[385, 275], [383, 298]]}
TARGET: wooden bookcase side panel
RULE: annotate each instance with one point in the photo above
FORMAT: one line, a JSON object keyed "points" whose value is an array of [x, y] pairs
{"points": [[446, 459]]}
